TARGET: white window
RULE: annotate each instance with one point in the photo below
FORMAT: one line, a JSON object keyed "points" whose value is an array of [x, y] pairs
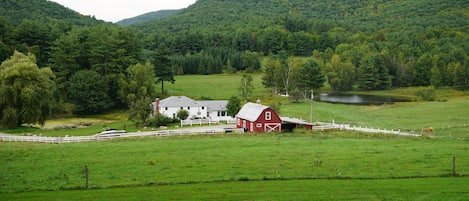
{"points": [[259, 125], [268, 115]]}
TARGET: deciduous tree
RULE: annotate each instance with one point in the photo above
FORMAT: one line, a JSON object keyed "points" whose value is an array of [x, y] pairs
{"points": [[246, 87], [26, 91], [233, 106]]}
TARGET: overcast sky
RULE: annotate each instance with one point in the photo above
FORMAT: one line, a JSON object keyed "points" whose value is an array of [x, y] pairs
{"points": [[115, 10]]}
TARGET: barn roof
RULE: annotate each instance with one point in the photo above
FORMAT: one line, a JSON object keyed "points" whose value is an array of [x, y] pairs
{"points": [[251, 111]]}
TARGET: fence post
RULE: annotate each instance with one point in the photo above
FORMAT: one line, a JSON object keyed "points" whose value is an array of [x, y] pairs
{"points": [[86, 176], [454, 166]]}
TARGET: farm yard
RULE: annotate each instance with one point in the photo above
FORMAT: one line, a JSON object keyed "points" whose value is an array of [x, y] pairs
{"points": [[325, 165]]}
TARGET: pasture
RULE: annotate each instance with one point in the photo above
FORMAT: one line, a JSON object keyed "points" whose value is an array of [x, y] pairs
{"points": [[221, 86], [304, 165], [271, 161]]}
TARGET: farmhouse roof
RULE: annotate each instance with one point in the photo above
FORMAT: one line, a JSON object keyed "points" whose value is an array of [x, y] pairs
{"points": [[214, 105], [251, 111], [178, 101]]}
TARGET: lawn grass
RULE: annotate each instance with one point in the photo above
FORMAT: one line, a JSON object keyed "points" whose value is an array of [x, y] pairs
{"points": [[226, 158], [386, 189]]}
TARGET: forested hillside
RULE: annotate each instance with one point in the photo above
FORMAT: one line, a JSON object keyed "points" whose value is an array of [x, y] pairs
{"points": [[147, 17], [304, 44], [405, 39], [86, 58]]}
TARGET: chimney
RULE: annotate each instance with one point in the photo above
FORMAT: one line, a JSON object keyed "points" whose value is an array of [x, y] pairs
{"points": [[157, 107]]}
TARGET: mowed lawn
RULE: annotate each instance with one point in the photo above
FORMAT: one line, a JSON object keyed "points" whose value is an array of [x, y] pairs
{"points": [[238, 162]]}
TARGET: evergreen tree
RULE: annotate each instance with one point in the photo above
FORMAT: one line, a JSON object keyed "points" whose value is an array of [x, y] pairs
{"points": [[310, 76], [163, 69], [88, 93], [423, 70], [368, 74]]}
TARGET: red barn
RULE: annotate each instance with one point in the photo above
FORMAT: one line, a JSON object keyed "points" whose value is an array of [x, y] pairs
{"points": [[258, 118]]}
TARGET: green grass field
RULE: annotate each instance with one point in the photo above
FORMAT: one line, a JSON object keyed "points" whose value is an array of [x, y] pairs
{"points": [[222, 86], [229, 159], [386, 189], [303, 165]]}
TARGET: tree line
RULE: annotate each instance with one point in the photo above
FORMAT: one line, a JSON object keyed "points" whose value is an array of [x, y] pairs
{"points": [[93, 66]]}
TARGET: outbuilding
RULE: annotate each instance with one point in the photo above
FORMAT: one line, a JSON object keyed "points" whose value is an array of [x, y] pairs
{"points": [[254, 117]]}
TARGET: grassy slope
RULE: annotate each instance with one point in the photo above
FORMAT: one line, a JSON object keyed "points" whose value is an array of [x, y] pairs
{"points": [[221, 86], [178, 160], [447, 118]]}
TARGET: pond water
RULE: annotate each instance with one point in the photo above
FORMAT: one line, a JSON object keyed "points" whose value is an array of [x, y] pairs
{"points": [[358, 99]]}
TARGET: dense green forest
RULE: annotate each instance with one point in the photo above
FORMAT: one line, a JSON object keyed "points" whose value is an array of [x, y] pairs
{"points": [[405, 43], [151, 16], [303, 44]]}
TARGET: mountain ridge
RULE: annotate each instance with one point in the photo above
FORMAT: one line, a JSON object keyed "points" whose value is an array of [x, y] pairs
{"points": [[150, 16]]}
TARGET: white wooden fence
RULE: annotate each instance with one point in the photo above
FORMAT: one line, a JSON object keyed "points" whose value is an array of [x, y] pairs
{"points": [[333, 125], [68, 139], [200, 122]]}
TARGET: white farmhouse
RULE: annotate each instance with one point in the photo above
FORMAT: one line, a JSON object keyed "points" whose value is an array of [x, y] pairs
{"points": [[205, 109]]}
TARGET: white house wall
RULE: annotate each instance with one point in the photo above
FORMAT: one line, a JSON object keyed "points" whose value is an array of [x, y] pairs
{"points": [[194, 112]]}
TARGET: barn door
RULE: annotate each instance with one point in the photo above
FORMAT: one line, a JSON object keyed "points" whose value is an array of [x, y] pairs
{"points": [[272, 127]]}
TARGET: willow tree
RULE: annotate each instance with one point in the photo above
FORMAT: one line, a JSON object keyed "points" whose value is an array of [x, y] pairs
{"points": [[26, 91]]}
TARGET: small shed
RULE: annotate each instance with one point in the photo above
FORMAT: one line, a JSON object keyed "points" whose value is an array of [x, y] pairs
{"points": [[254, 117], [291, 123]]}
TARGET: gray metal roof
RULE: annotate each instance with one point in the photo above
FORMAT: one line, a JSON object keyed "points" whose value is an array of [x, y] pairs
{"points": [[178, 101], [183, 101], [214, 105], [296, 121], [251, 111]]}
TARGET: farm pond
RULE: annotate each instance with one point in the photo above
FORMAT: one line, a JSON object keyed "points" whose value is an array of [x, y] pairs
{"points": [[357, 99]]}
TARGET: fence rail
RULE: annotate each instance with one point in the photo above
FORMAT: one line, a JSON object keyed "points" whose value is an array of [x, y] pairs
{"points": [[205, 122], [70, 139], [326, 126]]}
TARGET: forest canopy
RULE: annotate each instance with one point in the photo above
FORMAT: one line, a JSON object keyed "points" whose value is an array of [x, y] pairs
{"points": [[365, 45]]}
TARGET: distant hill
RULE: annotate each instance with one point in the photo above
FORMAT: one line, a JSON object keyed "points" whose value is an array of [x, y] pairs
{"points": [[148, 17], [365, 16], [46, 11], [34, 25]]}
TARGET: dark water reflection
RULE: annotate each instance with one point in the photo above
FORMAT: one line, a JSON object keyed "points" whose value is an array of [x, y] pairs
{"points": [[358, 99]]}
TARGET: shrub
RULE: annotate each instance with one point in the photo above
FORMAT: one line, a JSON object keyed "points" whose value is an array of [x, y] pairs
{"points": [[160, 120], [182, 114], [426, 94]]}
